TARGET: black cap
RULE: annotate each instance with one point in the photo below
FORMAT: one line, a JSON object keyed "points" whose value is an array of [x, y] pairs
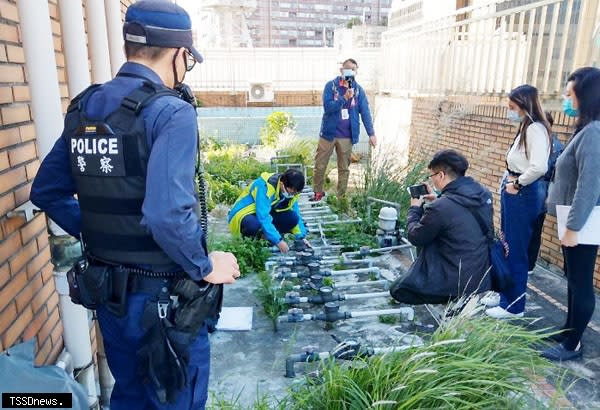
{"points": [[159, 23]]}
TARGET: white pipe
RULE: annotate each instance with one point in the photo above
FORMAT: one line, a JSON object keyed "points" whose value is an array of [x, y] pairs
{"points": [[76, 335], [73, 37], [374, 269], [351, 296], [115, 35], [408, 312], [98, 40], [42, 74]]}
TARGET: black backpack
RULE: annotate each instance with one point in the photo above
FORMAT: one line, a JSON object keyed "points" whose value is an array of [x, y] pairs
{"points": [[556, 148]]}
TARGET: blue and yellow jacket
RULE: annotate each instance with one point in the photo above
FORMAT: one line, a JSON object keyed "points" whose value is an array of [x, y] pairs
{"points": [[260, 198]]}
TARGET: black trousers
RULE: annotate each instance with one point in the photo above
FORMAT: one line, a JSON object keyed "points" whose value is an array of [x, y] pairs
{"points": [[579, 266], [533, 249]]}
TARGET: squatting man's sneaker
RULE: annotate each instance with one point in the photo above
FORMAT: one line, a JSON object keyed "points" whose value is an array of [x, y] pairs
{"points": [[499, 313], [317, 196], [492, 299]]}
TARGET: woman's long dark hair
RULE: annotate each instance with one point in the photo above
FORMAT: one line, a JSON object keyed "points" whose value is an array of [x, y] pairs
{"points": [[586, 85], [526, 97]]}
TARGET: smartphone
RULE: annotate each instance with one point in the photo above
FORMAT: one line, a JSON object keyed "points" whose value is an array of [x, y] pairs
{"points": [[417, 190]]}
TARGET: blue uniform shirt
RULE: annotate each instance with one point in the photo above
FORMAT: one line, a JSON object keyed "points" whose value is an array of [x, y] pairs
{"points": [[170, 201]]}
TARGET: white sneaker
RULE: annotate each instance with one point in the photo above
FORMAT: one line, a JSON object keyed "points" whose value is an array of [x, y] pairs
{"points": [[499, 313], [492, 299]]}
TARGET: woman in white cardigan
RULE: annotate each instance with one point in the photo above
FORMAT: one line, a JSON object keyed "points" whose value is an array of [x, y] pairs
{"points": [[523, 192]]}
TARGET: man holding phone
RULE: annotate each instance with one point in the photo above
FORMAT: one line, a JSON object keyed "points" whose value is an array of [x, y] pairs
{"points": [[344, 100], [453, 257]]}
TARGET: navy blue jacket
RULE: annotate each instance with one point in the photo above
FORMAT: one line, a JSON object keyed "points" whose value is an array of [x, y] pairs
{"points": [[333, 102], [170, 200]]}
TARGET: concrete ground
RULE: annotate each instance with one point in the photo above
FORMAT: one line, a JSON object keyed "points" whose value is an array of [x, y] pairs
{"points": [[248, 364]]}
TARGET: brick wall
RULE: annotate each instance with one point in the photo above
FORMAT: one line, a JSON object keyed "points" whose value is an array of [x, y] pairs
{"points": [[479, 129], [29, 306], [238, 99]]}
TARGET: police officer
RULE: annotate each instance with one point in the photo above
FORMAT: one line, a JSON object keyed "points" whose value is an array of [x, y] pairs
{"points": [[128, 152]]}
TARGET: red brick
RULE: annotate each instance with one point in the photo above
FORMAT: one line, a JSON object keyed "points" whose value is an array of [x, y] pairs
{"points": [[4, 164], [6, 95], [9, 180], [56, 334], [9, 136], [27, 132], [42, 241], [25, 254], [9, 247], [57, 43], [4, 275], [22, 193], [15, 54], [33, 228], [52, 301], [7, 203], [33, 328], [10, 225], [55, 352], [8, 315], [3, 56], [44, 349], [22, 153], [9, 11], [15, 113], [9, 33], [14, 332], [49, 325], [55, 27], [53, 11], [31, 169], [21, 93], [40, 298], [47, 271]]}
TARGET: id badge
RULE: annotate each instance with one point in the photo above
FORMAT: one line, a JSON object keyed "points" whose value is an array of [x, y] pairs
{"points": [[345, 115]]}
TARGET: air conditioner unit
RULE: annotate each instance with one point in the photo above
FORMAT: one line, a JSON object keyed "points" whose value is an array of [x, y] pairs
{"points": [[260, 92]]}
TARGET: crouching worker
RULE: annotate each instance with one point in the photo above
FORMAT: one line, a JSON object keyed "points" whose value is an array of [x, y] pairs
{"points": [[448, 230], [268, 207]]}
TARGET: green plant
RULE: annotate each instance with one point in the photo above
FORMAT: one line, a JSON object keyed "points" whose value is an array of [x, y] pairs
{"points": [[353, 236], [471, 362], [251, 254], [299, 150], [270, 297], [388, 319], [276, 123]]}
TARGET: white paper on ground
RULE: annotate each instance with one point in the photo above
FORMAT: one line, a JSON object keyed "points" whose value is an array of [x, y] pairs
{"points": [[589, 234], [235, 318]]}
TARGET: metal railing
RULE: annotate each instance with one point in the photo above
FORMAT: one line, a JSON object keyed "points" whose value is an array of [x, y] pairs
{"points": [[490, 49], [294, 69]]}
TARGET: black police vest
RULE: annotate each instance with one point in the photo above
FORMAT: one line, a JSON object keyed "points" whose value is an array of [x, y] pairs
{"points": [[109, 159]]}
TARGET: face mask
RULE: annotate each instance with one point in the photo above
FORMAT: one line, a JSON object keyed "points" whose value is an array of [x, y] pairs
{"points": [[348, 73], [568, 108], [286, 194], [514, 116]]}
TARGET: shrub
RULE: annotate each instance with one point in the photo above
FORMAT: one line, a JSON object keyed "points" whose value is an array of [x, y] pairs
{"points": [[251, 254], [276, 123]]}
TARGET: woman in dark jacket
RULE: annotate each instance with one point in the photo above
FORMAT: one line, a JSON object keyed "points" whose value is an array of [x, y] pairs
{"points": [[453, 260]]}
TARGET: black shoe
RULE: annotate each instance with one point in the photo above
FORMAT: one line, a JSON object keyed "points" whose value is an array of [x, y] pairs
{"points": [[559, 337], [559, 353]]}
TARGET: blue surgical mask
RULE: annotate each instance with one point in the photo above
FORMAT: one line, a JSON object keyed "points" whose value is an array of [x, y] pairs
{"points": [[287, 195], [568, 108], [348, 72], [514, 116]]}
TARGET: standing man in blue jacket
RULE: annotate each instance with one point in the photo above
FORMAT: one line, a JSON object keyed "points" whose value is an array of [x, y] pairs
{"points": [[343, 101], [121, 177]]}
